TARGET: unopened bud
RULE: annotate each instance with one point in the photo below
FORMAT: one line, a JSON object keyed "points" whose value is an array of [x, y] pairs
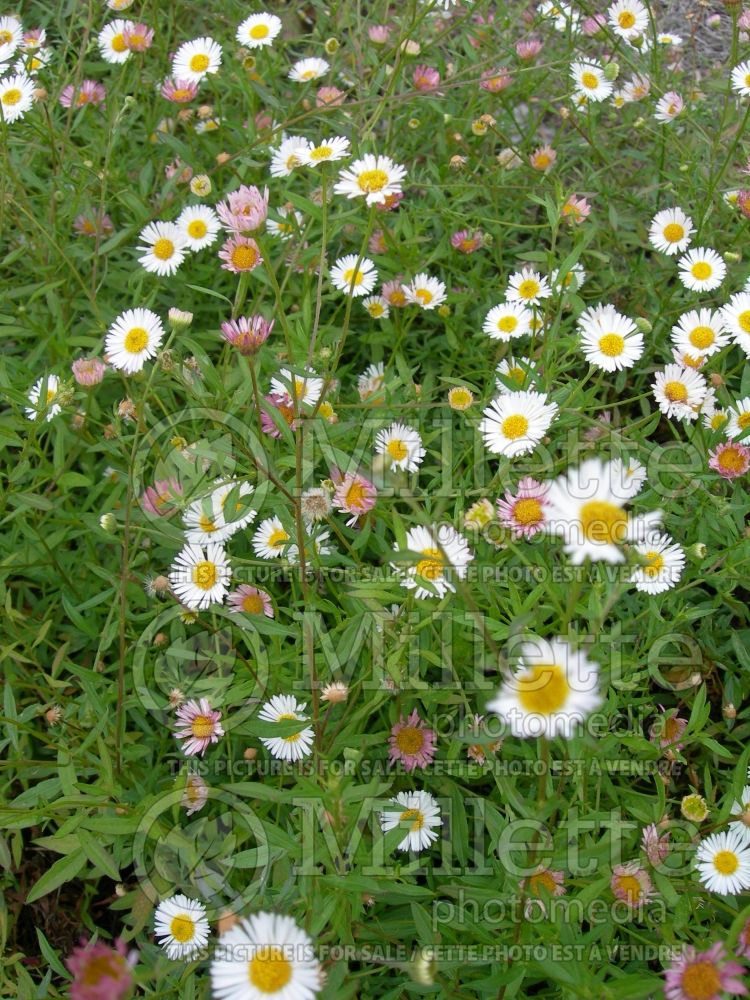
{"points": [[332, 45], [108, 523], [732, 256], [643, 324], [611, 71]]}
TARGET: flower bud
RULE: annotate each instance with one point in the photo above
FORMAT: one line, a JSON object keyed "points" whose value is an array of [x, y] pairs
{"points": [[108, 523], [332, 45], [611, 72], [643, 324]]}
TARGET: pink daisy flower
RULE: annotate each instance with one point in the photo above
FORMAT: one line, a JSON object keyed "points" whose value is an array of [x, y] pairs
{"points": [[243, 210], [593, 25], [412, 743], [378, 33], [425, 78], [247, 333], [183, 172], [495, 80], [631, 884], [250, 600], [90, 92], [285, 407], [101, 972], [240, 255], [88, 371], [93, 224], [376, 243], [138, 37], [730, 460], [541, 883], [575, 210], [543, 158], [393, 292], [529, 48], [179, 91], [354, 494], [707, 975], [667, 730], [655, 846], [523, 512], [198, 725], [390, 202], [467, 242], [156, 498], [329, 97]]}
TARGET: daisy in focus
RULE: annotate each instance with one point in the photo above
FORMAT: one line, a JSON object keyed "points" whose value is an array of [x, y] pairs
{"points": [[198, 726], [679, 392], [133, 339], [181, 927], [700, 332], [258, 30], [516, 422], [507, 321], [250, 601], [701, 269], [589, 80], [439, 553], [270, 539], [412, 743], [736, 315], [610, 341], [196, 59], [112, 43], [199, 226], [16, 97], [425, 291], [662, 563], [523, 511], [49, 385], [671, 231], [723, 862], [353, 276], [199, 575], [528, 286], [741, 79], [374, 178], [327, 151], [419, 814], [306, 70], [285, 708], [401, 445], [628, 18], [163, 248]]}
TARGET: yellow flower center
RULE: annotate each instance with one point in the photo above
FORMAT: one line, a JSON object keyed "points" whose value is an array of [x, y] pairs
{"points": [[51, 393], [731, 459], [202, 727], [626, 19], [543, 689], [375, 309], [253, 604], [718, 420], [205, 574], [308, 74], [726, 862], [673, 232], [397, 298], [350, 275], [431, 568], [197, 229], [515, 426], [654, 563], [119, 44], [542, 160], [701, 270], [527, 511], [460, 399], [410, 740], [528, 289], [630, 888], [370, 181], [702, 337], [542, 880], [507, 324], [397, 450], [199, 62], [676, 392], [744, 320], [206, 523], [244, 257], [12, 96], [5, 37], [416, 818], [321, 153], [136, 40], [135, 340], [589, 80], [355, 495], [182, 928], [163, 249], [612, 344], [259, 31], [277, 539], [700, 981], [424, 295], [268, 970], [102, 967], [182, 94], [603, 521], [743, 421]]}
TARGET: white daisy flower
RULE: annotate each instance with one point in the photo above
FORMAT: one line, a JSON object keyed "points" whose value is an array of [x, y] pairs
{"points": [[270, 538], [739, 418], [353, 279], [443, 551], [528, 286], [572, 281], [723, 862], [163, 248], [290, 224], [671, 231], [290, 154], [662, 564], [665, 39], [50, 386], [701, 269], [200, 575], [371, 380], [519, 373], [308, 69], [585, 508], [609, 340], [627, 477], [700, 333], [111, 41], [265, 955], [206, 518], [181, 926], [590, 81], [668, 107], [16, 96], [507, 321], [306, 388], [628, 18], [402, 445], [515, 423], [319, 545], [679, 392], [377, 306], [425, 291], [335, 148], [285, 708], [258, 30], [11, 36], [199, 226], [419, 813], [133, 339], [736, 315], [375, 178], [562, 15], [31, 62], [196, 59], [741, 79], [741, 808], [550, 693], [237, 513]]}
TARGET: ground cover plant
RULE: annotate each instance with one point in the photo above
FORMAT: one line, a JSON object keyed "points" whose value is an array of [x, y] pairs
{"points": [[375, 450]]}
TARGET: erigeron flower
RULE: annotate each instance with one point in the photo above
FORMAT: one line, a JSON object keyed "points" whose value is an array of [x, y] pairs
{"points": [[723, 862], [661, 564], [354, 494], [240, 255], [199, 575], [627, 477], [179, 92], [138, 36], [270, 539], [570, 282], [157, 499], [514, 374], [541, 883], [89, 92], [304, 387], [741, 815], [628, 18], [507, 321], [16, 97], [610, 341], [479, 515], [375, 178], [421, 812], [730, 460], [589, 79], [377, 306], [50, 385], [353, 275], [630, 883], [412, 743], [199, 226], [700, 332], [523, 511], [701, 269], [244, 210], [288, 224], [668, 107], [704, 975], [247, 334], [289, 155], [11, 36], [195, 794], [133, 339], [671, 231], [736, 315], [527, 286], [441, 553], [162, 247], [694, 807], [636, 89], [198, 726], [258, 30], [542, 159], [101, 972], [551, 691], [679, 392], [460, 398], [516, 422], [111, 41], [402, 446], [88, 371], [286, 708], [308, 69], [424, 291], [655, 844], [262, 956], [741, 79], [181, 926], [587, 512], [739, 418], [326, 151], [195, 59]]}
